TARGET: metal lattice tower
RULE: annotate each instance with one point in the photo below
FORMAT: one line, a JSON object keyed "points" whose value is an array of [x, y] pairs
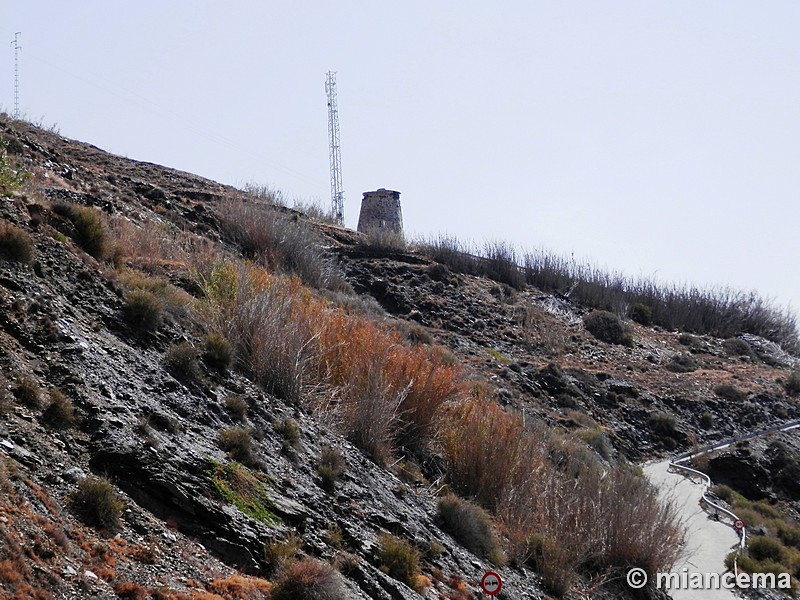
{"points": [[17, 48], [337, 194]]}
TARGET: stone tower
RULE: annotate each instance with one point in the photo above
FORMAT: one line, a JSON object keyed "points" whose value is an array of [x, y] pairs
{"points": [[381, 210]]}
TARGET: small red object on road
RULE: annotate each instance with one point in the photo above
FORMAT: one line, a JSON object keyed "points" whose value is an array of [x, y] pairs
{"points": [[738, 524]]}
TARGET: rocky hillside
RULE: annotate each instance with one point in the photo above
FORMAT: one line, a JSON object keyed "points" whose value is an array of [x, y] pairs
{"points": [[205, 394]]}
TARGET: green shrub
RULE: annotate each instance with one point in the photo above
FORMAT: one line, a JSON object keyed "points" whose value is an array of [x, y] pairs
{"points": [[724, 492], [607, 327], [97, 502], [309, 579], [245, 489], [331, 465], [763, 548], [144, 309], [471, 526], [181, 361], [398, 559], [15, 244], [788, 533], [237, 406], [730, 392], [59, 412], [11, 177], [642, 314], [218, 352], [90, 231]]}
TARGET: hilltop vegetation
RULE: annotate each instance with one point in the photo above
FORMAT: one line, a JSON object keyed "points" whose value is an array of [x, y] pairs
{"points": [[316, 408]]}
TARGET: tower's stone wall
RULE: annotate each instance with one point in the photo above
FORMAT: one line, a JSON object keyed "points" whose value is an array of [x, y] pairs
{"points": [[381, 210]]}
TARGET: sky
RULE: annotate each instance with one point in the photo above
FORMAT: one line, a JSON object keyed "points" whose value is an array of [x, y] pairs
{"points": [[658, 139]]}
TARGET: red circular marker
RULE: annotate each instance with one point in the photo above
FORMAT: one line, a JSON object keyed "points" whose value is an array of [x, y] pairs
{"points": [[491, 583], [738, 524]]}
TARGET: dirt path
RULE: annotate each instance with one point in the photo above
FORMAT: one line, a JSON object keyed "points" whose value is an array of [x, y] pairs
{"points": [[707, 541]]}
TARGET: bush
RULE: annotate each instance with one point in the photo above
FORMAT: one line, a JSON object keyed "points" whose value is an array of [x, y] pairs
{"points": [[682, 363], [663, 424], [11, 177], [642, 314], [181, 361], [763, 548], [15, 244], [471, 526], [218, 352], [597, 440], [59, 412], [484, 446], [607, 327], [90, 231], [690, 341], [737, 347], [237, 406], [289, 429], [330, 467], [238, 443], [723, 492], [398, 559], [97, 502], [309, 579], [278, 554], [792, 384], [706, 419], [143, 309], [384, 241], [283, 243], [730, 392], [719, 312], [28, 392]]}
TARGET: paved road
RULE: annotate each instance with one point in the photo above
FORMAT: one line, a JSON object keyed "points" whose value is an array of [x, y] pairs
{"points": [[707, 541]]}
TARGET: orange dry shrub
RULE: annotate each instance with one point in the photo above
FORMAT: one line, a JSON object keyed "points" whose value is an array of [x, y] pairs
{"points": [[487, 448], [391, 393], [383, 392], [240, 587]]}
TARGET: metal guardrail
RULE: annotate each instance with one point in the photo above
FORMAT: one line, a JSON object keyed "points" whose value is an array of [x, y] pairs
{"points": [[705, 498]]}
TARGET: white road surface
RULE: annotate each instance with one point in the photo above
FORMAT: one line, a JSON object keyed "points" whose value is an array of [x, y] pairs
{"points": [[707, 541]]}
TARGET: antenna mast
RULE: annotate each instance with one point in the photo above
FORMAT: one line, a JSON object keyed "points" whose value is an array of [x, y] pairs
{"points": [[17, 48], [337, 194]]}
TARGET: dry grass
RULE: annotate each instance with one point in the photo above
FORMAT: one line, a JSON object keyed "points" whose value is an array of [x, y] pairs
{"points": [[281, 242], [15, 244], [59, 413], [309, 579], [385, 392], [241, 587]]}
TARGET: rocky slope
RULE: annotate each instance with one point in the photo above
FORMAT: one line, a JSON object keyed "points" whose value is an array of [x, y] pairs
{"points": [[155, 433]]}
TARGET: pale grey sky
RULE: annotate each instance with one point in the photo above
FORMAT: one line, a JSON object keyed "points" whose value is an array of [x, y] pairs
{"points": [[655, 138]]}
